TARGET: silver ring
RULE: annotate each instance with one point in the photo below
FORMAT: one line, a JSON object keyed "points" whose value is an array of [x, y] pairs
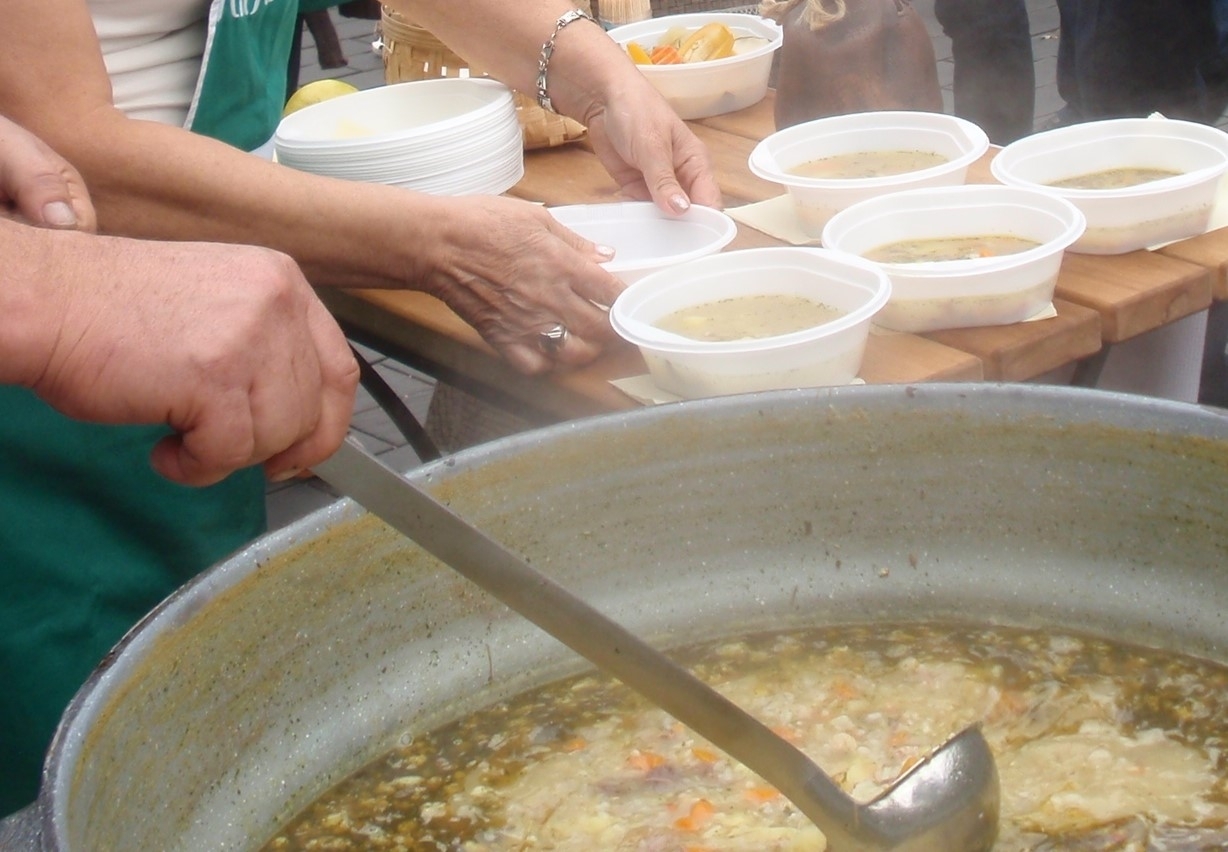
{"points": [[552, 339]]}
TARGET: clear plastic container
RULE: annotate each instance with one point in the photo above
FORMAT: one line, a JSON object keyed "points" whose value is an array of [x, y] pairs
{"points": [[703, 89], [962, 293], [827, 354]]}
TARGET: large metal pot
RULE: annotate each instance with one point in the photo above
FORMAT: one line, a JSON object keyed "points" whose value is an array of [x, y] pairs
{"points": [[291, 664]]}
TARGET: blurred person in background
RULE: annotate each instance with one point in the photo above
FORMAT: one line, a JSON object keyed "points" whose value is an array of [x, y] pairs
{"points": [[994, 83], [1122, 58], [1132, 58]]}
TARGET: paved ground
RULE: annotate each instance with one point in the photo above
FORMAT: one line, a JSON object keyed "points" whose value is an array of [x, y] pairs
{"points": [[287, 502]]}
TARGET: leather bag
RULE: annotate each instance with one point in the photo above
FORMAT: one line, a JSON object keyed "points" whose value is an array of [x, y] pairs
{"points": [[844, 56]]}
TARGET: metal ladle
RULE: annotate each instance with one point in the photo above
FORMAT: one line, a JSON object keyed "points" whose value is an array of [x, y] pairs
{"points": [[948, 802]]}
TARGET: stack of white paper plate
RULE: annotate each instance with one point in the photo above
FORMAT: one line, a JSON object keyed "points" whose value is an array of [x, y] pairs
{"points": [[449, 136]]}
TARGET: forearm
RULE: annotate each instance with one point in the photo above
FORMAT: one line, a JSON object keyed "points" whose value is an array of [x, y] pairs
{"points": [[506, 38], [35, 274], [157, 181], [153, 181]]}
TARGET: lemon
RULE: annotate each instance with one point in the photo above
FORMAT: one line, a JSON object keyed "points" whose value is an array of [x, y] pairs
{"points": [[313, 93]]}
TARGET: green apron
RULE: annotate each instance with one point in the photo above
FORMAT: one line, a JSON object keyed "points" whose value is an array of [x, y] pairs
{"points": [[91, 538]]}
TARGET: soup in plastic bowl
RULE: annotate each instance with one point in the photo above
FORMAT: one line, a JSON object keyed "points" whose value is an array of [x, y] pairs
{"points": [[645, 238], [1190, 158], [717, 86], [953, 144], [981, 289], [828, 352]]}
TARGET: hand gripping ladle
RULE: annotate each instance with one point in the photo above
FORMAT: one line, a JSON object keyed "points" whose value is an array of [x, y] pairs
{"points": [[948, 802]]}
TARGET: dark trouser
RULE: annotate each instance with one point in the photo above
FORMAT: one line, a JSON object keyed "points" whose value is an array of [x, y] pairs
{"points": [[995, 81], [1121, 58]]}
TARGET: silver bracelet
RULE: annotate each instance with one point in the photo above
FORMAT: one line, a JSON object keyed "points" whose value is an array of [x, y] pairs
{"points": [[543, 62]]}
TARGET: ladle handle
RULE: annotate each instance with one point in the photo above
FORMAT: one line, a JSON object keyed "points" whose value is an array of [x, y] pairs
{"points": [[502, 573]]}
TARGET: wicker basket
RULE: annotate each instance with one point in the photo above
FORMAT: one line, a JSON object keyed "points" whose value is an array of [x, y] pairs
{"points": [[413, 53]]}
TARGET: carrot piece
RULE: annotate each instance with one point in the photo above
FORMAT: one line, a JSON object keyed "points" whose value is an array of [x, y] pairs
{"points": [[665, 54], [785, 734], [645, 761], [705, 755], [698, 816], [898, 738], [759, 795], [576, 744], [638, 55], [844, 690]]}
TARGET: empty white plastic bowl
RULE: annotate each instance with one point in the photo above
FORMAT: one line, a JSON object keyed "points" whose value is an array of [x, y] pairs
{"points": [[826, 354], [815, 200], [1135, 217], [646, 239], [962, 293], [703, 89]]}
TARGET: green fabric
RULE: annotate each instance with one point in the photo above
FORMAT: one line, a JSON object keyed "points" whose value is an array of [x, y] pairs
{"points": [[242, 90], [305, 6], [91, 538]]}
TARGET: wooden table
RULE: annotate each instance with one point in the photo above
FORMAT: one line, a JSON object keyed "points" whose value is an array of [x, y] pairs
{"points": [[1099, 300]]}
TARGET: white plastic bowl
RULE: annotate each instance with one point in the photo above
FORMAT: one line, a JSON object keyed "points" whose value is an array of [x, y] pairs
{"points": [[441, 109], [447, 136], [962, 293], [827, 354], [646, 239], [702, 89], [816, 200], [1122, 220]]}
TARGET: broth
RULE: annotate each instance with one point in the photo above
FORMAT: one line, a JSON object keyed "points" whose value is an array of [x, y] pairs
{"points": [[1099, 745], [1114, 178], [744, 317], [950, 248], [866, 164]]}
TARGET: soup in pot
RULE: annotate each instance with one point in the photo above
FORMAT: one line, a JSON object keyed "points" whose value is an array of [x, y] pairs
{"points": [[1099, 746]]}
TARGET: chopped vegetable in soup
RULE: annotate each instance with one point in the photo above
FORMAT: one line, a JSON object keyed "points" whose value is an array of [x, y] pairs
{"points": [[745, 317], [949, 248], [1114, 178], [866, 164], [1099, 746]]}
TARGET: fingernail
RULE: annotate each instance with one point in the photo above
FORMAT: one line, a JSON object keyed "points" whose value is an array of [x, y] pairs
{"points": [[680, 203], [289, 473], [59, 214], [605, 251]]}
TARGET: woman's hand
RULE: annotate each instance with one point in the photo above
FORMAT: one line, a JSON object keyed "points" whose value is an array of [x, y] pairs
{"points": [[646, 148], [510, 270], [38, 185], [649, 151]]}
